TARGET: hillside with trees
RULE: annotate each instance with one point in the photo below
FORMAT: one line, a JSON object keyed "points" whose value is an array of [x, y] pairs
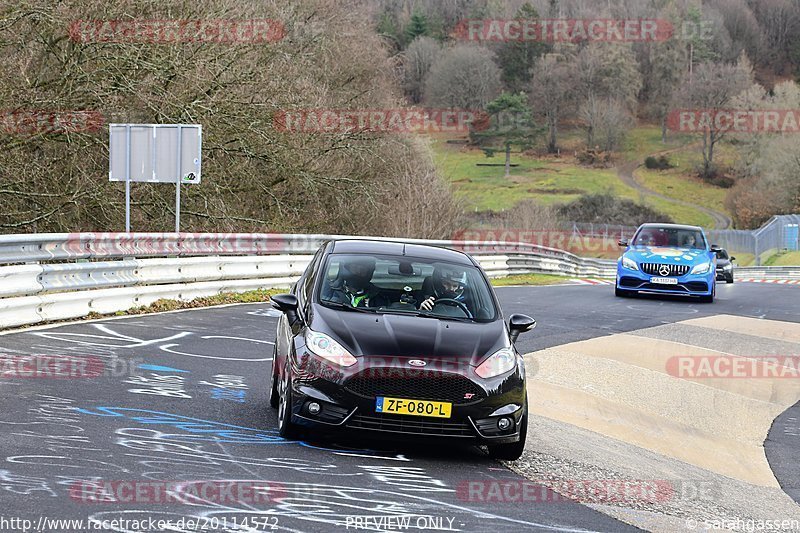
{"points": [[735, 54], [578, 107]]}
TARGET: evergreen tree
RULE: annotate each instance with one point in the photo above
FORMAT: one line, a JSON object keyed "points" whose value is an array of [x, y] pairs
{"points": [[509, 122], [517, 58]]}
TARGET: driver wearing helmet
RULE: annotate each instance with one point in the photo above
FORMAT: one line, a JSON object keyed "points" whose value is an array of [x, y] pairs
{"points": [[353, 284], [449, 283]]}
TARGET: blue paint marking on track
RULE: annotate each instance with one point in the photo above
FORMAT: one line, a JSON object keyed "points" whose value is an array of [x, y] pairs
{"points": [[159, 368]]}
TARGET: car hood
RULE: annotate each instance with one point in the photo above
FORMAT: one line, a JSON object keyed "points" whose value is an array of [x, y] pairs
{"points": [[667, 255], [394, 335]]}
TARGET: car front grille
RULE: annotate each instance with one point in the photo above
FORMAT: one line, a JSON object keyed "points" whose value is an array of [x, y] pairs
{"points": [[427, 385], [674, 270], [411, 424]]}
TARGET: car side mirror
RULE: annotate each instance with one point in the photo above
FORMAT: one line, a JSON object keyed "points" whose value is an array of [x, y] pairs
{"points": [[520, 324], [733, 258], [284, 302], [287, 304], [623, 243]]}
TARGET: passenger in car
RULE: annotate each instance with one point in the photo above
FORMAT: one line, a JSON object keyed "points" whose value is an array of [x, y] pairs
{"points": [[353, 285]]}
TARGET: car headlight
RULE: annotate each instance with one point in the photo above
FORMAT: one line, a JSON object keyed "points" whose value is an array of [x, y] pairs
{"points": [[327, 348], [727, 267], [629, 263], [498, 363], [702, 268]]}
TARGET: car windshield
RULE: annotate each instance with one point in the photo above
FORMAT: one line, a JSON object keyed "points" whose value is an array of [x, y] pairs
{"points": [[402, 285], [722, 254], [670, 237]]}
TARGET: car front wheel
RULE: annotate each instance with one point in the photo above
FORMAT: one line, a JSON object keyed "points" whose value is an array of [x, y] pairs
{"points": [[286, 428], [710, 298], [273, 381]]}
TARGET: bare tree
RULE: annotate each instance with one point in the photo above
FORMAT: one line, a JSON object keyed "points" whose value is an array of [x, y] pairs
{"points": [[418, 58], [612, 122], [464, 77], [552, 91], [420, 204], [256, 176], [712, 87], [780, 22], [605, 72]]}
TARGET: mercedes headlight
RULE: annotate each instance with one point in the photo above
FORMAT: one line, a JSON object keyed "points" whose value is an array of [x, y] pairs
{"points": [[629, 263], [324, 346], [498, 363], [702, 268]]}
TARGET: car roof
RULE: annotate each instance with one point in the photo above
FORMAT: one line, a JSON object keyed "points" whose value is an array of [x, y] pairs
{"points": [[675, 226], [397, 248]]}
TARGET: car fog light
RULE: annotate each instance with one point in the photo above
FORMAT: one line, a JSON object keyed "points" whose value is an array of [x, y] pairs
{"points": [[504, 423], [314, 408]]}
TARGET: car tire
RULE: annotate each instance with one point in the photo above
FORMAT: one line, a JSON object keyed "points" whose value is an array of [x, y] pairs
{"points": [[513, 450], [710, 298], [286, 428], [729, 280], [273, 387]]}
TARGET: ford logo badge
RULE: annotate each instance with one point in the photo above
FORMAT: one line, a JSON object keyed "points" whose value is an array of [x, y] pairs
{"points": [[417, 362]]}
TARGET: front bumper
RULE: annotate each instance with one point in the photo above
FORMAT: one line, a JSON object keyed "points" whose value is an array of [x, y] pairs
{"points": [[723, 275], [687, 285], [348, 401]]}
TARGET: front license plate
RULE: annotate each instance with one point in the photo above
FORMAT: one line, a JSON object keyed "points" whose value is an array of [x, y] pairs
{"points": [[403, 406], [664, 281]]}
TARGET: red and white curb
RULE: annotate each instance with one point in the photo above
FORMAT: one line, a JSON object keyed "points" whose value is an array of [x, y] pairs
{"points": [[587, 281], [780, 281]]}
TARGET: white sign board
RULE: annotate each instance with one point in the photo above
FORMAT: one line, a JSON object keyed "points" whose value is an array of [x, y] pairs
{"points": [[155, 153]]}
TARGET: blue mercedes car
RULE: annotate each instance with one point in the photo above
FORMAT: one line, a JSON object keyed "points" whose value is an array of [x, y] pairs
{"points": [[668, 259]]}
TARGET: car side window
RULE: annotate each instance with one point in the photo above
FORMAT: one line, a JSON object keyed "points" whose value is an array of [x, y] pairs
{"points": [[306, 282]]}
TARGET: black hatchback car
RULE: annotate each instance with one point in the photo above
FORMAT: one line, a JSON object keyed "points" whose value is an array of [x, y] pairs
{"points": [[396, 338], [724, 266]]}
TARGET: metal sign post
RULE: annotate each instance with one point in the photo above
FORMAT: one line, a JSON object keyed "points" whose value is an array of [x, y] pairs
{"points": [[155, 153]]}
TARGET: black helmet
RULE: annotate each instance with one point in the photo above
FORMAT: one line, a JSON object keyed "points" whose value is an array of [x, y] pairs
{"points": [[357, 272], [449, 281]]}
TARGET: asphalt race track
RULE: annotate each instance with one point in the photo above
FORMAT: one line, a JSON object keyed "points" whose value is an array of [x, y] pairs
{"points": [[183, 399]]}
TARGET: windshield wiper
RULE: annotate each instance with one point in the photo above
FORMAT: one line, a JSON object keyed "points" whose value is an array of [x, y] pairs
{"points": [[345, 307], [425, 314]]}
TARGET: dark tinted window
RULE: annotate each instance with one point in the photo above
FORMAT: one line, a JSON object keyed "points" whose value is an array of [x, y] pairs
{"points": [[400, 283], [670, 237]]}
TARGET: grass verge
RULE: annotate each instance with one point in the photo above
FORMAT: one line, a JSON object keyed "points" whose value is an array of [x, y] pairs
{"points": [[783, 259], [528, 279], [161, 305]]}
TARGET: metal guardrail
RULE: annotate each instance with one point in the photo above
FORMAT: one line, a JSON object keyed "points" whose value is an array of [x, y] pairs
{"points": [[63, 276]]}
